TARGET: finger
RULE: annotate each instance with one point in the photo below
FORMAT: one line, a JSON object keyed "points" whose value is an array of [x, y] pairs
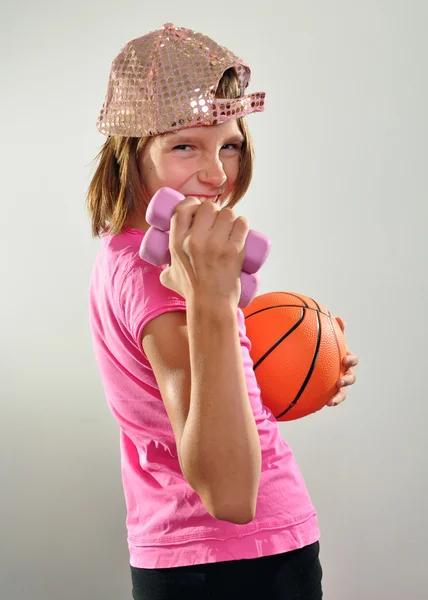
{"points": [[228, 234], [204, 219], [342, 323], [239, 233], [350, 360], [348, 379], [182, 217], [338, 398], [224, 226]]}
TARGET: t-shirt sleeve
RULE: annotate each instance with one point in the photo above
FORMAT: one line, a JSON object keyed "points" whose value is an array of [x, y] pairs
{"points": [[142, 297]]}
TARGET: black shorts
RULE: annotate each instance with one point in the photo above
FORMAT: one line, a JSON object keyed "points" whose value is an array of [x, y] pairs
{"points": [[294, 575]]}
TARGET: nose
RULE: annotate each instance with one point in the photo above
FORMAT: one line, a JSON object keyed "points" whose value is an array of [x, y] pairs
{"points": [[213, 175]]}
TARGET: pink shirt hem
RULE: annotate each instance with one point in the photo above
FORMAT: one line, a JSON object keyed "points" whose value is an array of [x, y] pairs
{"points": [[264, 542]]}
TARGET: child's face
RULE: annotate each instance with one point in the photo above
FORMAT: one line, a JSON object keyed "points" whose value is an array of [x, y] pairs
{"points": [[197, 161]]}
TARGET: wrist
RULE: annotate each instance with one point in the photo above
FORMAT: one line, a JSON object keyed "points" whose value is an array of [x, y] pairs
{"points": [[212, 307]]}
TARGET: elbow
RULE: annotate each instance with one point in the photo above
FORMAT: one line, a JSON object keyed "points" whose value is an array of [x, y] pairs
{"points": [[239, 514], [233, 512], [227, 504], [238, 518]]}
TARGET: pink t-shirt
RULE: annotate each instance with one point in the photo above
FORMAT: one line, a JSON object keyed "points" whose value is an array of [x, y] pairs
{"points": [[168, 526]]}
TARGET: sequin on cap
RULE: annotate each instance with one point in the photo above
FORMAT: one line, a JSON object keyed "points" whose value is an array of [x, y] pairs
{"points": [[166, 80]]}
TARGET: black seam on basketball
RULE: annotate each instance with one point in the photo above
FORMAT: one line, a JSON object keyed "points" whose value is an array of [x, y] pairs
{"points": [[330, 316], [317, 305], [284, 306], [299, 298], [309, 374], [305, 304], [281, 339]]}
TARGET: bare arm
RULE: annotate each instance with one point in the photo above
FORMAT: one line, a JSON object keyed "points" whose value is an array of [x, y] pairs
{"points": [[198, 366], [220, 447]]}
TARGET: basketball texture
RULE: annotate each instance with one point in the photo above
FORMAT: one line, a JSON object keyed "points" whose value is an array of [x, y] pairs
{"points": [[297, 350]]}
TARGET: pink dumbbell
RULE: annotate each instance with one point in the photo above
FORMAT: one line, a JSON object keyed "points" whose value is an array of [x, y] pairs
{"points": [[155, 245]]}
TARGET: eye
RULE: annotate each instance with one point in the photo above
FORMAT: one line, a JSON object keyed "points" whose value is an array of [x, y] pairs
{"points": [[184, 147], [231, 147]]}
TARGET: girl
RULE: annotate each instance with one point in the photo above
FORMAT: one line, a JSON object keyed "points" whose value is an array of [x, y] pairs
{"points": [[216, 505]]}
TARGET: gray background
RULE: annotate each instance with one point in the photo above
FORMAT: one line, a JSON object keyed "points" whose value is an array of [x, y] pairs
{"points": [[340, 186]]}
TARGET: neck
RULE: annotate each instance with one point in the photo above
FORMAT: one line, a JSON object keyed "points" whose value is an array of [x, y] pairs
{"points": [[137, 222]]}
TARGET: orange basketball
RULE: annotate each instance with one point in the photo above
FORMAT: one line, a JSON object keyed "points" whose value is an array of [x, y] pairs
{"points": [[297, 350]]}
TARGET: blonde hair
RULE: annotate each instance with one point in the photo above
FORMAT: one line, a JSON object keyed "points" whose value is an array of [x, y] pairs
{"points": [[116, 190]]}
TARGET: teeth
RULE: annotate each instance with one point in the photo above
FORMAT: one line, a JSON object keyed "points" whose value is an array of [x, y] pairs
{"points": [[214, 200]]}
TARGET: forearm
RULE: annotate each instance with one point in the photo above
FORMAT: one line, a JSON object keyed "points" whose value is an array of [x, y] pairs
{"points": [[220, 447]]}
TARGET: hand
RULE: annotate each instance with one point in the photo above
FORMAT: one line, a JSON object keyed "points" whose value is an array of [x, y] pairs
{"points": [[350, 361], [207, 252]]}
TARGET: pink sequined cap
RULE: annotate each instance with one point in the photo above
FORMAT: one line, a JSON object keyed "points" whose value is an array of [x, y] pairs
{"points": [[166, 80]]}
